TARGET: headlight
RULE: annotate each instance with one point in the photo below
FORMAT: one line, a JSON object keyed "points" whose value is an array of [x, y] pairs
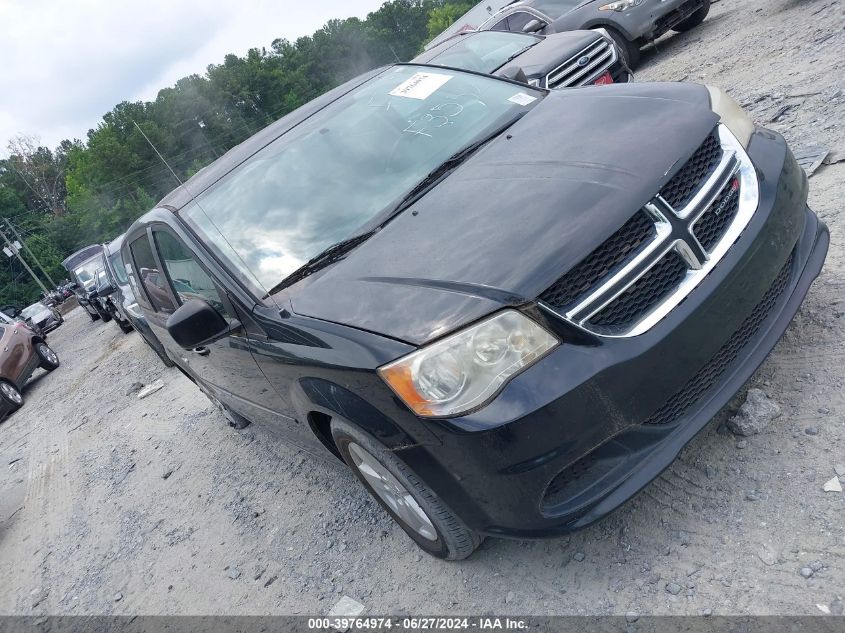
{"points": [[464, 370], [621, 5], [732, 115], [135, 310]]}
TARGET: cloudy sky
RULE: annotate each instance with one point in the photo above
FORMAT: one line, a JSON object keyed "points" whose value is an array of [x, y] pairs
{"points": [[65, 64]]}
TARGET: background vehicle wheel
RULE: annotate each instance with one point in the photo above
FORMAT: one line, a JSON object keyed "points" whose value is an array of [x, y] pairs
{"points": [[125, 327], [694, 20], [94, 317], [11, 395], [630, 50], [49, 359], [414, 506], [106, 317]]}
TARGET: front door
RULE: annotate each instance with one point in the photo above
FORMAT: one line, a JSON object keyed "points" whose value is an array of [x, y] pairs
{"points": [[171, 274]]}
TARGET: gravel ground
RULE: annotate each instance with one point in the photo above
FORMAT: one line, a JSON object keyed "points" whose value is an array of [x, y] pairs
{"points": [[111, 504]]}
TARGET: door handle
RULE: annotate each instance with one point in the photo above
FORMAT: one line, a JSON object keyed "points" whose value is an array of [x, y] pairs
{"points": [[202, 351]]}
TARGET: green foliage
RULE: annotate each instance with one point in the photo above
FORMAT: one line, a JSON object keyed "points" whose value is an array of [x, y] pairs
{"points": [[114, 176], [442, 17]]}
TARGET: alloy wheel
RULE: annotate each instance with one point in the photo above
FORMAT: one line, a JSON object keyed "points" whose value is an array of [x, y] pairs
{"points": [[49, 354], [392, 492], [11, 393]]}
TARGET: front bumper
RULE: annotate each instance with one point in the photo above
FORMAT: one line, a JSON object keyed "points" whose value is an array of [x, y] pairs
{"points": [[567, 441]]}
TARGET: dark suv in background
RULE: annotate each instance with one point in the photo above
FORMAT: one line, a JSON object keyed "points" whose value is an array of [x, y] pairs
{"points": [[506, 309], [631, 23]]}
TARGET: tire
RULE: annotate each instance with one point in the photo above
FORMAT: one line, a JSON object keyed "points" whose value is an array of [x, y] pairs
{"points": [[94, 317], [440, 532], [630, 50], [694, 20], [105, 316], [47, 357], [10, 395]]}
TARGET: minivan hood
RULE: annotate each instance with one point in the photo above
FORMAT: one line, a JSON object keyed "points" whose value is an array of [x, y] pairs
{"points": [[516, 215]]}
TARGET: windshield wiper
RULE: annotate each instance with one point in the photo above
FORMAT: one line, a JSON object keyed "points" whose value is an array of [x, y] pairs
{"points": [[327, 257], [442, 170], [517, 54]]}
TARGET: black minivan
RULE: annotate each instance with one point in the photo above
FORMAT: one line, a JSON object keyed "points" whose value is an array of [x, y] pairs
{"points": [[506, 309]]}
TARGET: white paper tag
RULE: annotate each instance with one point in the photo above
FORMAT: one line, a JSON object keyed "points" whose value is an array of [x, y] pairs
{"points": [[520, 98], [420, 85]]}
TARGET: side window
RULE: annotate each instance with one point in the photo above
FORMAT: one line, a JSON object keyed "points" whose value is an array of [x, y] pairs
{"points": [[517, 21], [150, 276], [501, 25], [190, 281]]}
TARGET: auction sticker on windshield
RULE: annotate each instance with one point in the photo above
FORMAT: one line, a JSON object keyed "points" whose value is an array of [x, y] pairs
{"points": [[420, 85], [520, 98]]}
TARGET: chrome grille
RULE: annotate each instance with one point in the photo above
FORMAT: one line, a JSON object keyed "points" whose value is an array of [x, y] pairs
{"points": [[585, 67], [626, 293]]}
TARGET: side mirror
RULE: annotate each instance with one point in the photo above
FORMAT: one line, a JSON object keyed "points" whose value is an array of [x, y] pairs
{"points": [[196, 323], [106, 289], [533, 26], [93, 294], [514, 73]]}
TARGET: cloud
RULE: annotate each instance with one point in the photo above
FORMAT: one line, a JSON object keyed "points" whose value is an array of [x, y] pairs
{"points": [[65, 64]]}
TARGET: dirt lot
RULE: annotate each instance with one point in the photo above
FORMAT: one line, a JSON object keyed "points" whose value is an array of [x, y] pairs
{"points": [[111, 504]]}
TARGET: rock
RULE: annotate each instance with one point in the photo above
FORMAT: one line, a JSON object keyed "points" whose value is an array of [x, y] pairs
{"points": [[233, 573], [806, 572], [839, 469], [711, 472], [509, 597], [133, 388], [673, 588], [707, 613], [767, 555], [270, 581], [346, 607], [833, 485], [631, 617], [755, 414], [150, 389], [753, 495], [741, 444], [811, 430], [166, 474], [579, 556], [816, 565], [118, 597], [823, 410]]}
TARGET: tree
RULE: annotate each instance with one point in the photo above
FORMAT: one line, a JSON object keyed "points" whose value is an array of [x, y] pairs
{"points": [[41, 170], [441, 18]]}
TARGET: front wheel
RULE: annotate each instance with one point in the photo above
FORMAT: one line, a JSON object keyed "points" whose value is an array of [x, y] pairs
{"points": [[10, 395], [413, 505], [630, 51], [694, 20], [47, 357]]}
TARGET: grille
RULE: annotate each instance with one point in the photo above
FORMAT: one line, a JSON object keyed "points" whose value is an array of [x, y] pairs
{"points": [[642, 296], [712, 225], [707, 376], [604, 260], [684, 184], [601, 55]]}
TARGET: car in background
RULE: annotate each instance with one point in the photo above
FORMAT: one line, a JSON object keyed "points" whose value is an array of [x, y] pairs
{"points": [[124, 298], [22, 351], [562, 60], [104, 297], [43, 317], [631, 23], [507, 322], [85, 275]]}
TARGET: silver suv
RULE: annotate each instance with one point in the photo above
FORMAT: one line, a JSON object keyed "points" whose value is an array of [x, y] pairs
{"points": [[631, 23]]}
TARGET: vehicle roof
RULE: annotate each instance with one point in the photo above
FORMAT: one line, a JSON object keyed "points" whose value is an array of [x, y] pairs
{"points": [[113, 247], [210, 174], [83, 254]]}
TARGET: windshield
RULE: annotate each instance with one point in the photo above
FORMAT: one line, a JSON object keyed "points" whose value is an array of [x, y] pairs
{"points": [[484, 52], [86, 271], [339, 172], [31, 311], [117, 267], [471, 20]]}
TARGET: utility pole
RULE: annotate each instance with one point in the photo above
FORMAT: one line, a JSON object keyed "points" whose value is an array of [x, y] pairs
{"points": [[22, 260], [31, 254]]}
